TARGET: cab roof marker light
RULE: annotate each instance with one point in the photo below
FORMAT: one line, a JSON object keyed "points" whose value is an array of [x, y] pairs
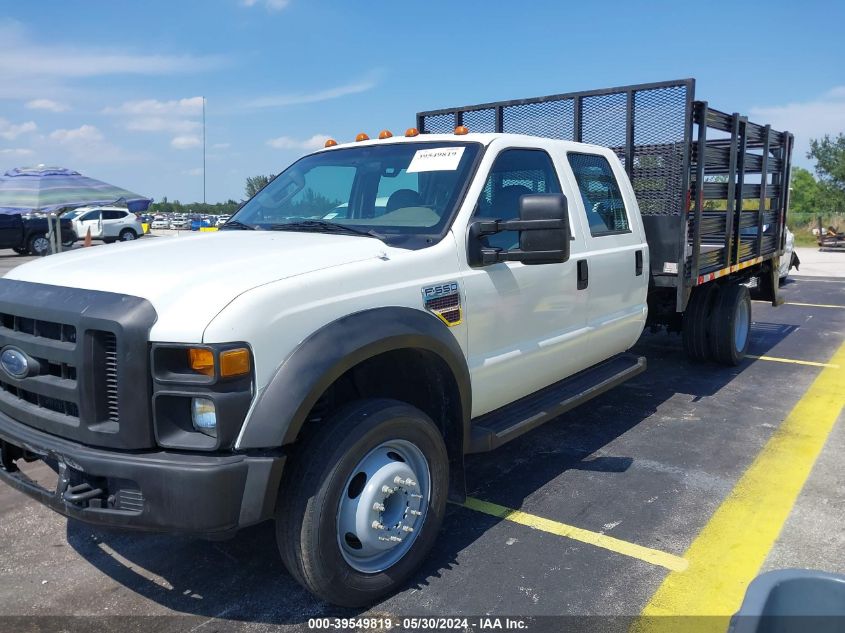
{"points": [[385, 134], [362, 137], [412, 131], [461, 130], [330, 143]]}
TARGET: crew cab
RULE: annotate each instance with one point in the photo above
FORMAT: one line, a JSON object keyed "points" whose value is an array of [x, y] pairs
{"points": [[28, 234], [379, 310]]}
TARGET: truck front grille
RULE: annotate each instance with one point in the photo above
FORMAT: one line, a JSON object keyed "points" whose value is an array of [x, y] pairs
{"points": [[91, 383]]}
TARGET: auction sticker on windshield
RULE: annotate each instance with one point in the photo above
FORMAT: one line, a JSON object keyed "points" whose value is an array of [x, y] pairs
{"points": [[436, 159]]}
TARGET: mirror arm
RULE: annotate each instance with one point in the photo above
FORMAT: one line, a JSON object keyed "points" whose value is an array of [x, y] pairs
{"points": [[490, 227], [495, 255]]}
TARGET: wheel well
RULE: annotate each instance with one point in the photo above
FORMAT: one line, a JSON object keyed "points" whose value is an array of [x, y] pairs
{"points": [[416, 376]]}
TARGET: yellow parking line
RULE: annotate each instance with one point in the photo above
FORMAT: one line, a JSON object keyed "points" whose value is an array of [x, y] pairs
{"points": [[728, 553], [777, 359], [653, 556]]}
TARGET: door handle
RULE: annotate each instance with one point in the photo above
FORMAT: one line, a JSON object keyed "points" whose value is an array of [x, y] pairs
{"points": [[638, 263], [583, 274]]}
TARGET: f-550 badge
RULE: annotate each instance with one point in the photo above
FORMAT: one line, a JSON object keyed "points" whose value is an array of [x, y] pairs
{"points": [[444, 302]]}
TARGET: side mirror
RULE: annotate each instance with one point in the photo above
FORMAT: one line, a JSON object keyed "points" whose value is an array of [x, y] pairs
{"points": [[544, 233]]}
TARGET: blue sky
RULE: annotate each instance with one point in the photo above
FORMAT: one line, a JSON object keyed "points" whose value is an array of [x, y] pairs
{"points": [[114, 89]]}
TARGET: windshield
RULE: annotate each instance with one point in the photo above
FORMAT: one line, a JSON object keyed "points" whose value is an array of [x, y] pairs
{"points": [[399, 189]]}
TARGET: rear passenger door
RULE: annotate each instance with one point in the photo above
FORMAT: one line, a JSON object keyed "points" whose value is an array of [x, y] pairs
{"points": [[113, 222], [617, 276]]}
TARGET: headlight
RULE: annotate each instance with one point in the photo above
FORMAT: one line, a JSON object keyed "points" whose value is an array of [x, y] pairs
{"points": [[204, 416]]}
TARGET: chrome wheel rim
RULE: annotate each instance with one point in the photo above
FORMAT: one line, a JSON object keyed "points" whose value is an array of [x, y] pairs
{"points": [[742, 322], [41, 244], [128, 236], [383, 506]]}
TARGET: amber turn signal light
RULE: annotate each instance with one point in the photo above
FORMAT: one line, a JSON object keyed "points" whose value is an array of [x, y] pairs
{"points": [[412, 131], [201, 360], [234, 362], [330, 143], [385, 134], [461, 130], [362, 137]]}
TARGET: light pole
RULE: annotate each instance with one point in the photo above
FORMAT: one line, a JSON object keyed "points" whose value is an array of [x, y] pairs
{"points": [[203, 150]]}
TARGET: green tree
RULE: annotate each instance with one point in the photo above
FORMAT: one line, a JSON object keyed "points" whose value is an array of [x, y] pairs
{"points": [[829, 154], [806, 195], [255, 183]]}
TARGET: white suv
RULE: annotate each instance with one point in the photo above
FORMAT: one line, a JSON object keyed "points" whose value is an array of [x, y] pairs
{"points": [[109, 224]]}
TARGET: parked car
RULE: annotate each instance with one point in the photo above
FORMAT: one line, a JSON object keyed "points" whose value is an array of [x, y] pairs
{"points": [[179, 222], [27, 234], [160, 222], [222, 219], [789, 259], [109, 224]]}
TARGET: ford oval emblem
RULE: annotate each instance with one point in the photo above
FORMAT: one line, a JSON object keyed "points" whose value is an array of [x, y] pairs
{"points": [[14, 362]]}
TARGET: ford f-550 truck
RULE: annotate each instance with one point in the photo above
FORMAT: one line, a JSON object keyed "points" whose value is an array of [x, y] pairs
{"points": [[378, 311]]}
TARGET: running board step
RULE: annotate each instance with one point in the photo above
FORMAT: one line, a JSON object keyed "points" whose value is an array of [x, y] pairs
{"points": [[493, 429]]}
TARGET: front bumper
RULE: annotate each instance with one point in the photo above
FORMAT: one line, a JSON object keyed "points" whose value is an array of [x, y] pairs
{"points": [[164, 491]]}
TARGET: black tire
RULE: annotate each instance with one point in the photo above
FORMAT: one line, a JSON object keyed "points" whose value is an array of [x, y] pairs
{"points": [[35, 246], [68, 243], [21, 251], [731, 329], [310, 494], [128, 235], [696, 324]]}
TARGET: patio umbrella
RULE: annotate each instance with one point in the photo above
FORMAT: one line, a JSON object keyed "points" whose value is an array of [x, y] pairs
{"points": [[48, 189]]}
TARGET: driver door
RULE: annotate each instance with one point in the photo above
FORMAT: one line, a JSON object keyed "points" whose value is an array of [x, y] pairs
{"points": [[526, 324]]}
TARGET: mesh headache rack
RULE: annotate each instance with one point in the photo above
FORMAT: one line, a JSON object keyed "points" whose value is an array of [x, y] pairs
{"points": [[712, 187]]}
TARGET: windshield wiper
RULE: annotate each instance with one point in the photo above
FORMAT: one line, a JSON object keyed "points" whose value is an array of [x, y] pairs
{"points": [[321, 226], [237, 224]]}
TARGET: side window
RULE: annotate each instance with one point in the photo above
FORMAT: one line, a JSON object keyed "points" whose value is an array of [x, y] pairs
{"points": [[516, 173], [91, 215], [600, 192], [114, 215]]}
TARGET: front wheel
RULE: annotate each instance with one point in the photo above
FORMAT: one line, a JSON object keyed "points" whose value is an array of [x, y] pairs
{"points": [[362, 501], [127, 235]]}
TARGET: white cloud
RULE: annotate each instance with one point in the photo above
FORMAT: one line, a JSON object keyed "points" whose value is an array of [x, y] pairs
{"points": [[11, 131], [196, 171], [278, 101], [177, 116], [185, 142], [271, 5], [285, 142], [84, 135], [16, 151], [46, 104], [31, 67], [806, 119]]}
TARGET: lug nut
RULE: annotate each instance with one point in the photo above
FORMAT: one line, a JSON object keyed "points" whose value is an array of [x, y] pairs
{"points": [[407, 528], [398, 480], [394, 539], [378, 506], [388, 490], [415, 513], [416, 496], [377, 525]]}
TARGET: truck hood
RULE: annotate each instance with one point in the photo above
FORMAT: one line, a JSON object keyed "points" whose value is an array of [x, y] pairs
{"points": [[189, 280]]}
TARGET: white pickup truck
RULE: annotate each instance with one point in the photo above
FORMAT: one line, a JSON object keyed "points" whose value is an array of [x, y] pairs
{"points": [[376, 312]]}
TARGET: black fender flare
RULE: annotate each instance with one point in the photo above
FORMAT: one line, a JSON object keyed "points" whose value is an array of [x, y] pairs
{"points": [[282, 407]]}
